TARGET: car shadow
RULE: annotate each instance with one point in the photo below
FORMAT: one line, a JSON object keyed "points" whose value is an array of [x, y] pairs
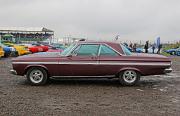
{"points": [[100, 82]]}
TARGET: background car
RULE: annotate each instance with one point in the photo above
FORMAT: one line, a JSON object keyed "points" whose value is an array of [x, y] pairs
{"points": [[58, 45], [178, 51], [173, 51], [1, 51], [8, 50], [21, 50], [41, 48]]}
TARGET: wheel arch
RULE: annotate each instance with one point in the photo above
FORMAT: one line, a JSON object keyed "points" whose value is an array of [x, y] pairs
{"points": [[130, 68], [39, 66]]}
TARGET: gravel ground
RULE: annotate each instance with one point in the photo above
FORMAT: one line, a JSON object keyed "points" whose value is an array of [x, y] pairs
{"points": [[155, 95]]}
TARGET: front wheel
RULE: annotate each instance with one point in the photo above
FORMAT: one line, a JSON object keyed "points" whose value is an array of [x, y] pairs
{"points": [[37, 76], [129, 77]]}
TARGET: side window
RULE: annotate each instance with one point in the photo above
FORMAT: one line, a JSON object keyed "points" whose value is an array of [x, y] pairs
{"points": [[86, 50], [106, 51]]}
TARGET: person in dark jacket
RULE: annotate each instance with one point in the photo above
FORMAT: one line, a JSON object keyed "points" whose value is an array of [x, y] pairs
{"points": [[146, 46], [159, 48], [153, 47], [134, 47]]}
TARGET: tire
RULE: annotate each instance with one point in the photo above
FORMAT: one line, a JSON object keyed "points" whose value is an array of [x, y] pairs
{"points": [[37, 76], [129, 77]]}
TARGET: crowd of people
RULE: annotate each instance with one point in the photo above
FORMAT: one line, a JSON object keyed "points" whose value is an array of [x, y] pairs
{"points": [[133, 47]]}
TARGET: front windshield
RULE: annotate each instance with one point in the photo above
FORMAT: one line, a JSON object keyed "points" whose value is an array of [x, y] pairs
{"points": [[126, 51], [67, 50]]}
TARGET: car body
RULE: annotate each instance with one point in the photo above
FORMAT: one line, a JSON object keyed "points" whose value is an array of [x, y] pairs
{"points": [[21, 50], [55, 50], [41, 48], [1, 51], [91, 59], [7, 50], [178, 51], [58, 46], [172, 51], [32, 48]]}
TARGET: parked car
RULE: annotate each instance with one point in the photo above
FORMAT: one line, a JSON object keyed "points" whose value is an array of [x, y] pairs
{"points": [[58, 46], [178, 51], [8, 50], [1, 51], [91, 59], [55, 50], [21, 50], [41, 48], [172, 51]]}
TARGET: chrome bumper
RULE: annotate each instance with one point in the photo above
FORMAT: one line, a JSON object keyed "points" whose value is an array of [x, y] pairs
{"points": [[168, 70], [13, 72]]}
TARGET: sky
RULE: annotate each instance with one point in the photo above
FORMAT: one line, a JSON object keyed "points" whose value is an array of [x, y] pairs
{"points": [[132, 20]]}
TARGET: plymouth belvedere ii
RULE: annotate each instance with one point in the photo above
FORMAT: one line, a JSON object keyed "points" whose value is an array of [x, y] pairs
{"points": [[91, 59]]}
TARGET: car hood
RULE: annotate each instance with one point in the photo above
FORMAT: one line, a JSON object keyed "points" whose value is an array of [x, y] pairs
{"points": [[41, 55]]}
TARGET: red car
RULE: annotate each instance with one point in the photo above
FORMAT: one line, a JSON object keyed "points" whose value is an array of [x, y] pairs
{"points": [[34, 48], [41, 48], [91, 59]]}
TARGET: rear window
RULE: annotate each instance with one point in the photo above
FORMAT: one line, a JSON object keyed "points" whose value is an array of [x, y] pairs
{"points": [[125, 50], [106, 51]]}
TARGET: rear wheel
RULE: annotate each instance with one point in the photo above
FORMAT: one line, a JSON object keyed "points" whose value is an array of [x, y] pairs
{"points": [[129, 77], [37, 76]]}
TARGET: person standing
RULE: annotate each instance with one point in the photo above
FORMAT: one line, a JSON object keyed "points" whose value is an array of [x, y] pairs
{"points": [[159, 48], [153, 47], [146, 46], [134, 47]]}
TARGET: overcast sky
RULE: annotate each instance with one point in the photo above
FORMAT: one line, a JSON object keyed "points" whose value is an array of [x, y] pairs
{"points": [[133, 20]]}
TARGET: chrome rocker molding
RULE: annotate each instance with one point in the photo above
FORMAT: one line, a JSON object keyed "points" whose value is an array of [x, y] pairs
{"points": [[13, 72], [168, 70], [105, 76]]}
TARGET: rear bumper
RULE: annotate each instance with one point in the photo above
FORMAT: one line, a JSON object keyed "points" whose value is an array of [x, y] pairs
{"points": [[168, 70], [13, 72]]}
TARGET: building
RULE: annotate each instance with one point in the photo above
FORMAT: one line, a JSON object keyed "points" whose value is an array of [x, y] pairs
{"points": [[21, 34]]}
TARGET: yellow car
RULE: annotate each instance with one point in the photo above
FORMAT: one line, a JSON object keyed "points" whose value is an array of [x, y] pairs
{"points": [[1, 51], [21, 50]]}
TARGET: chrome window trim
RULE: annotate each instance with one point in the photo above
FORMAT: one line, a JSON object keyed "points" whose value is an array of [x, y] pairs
{"points": [[69, 53]]}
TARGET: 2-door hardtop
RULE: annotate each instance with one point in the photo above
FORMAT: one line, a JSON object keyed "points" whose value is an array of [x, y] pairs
{"points": [[91, 59]]}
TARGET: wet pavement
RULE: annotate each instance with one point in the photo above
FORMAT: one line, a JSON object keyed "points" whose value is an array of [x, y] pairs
{"points": [[155, 95]]}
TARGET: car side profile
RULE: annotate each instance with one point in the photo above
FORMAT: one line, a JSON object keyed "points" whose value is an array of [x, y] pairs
{"points": [[92, 60]]}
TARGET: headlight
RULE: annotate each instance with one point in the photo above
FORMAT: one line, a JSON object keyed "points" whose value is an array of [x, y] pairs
{"points": [[12, 49]]}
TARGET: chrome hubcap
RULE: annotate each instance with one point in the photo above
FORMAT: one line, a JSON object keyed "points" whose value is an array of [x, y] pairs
{"points": [[129, 76], [36, 76]]}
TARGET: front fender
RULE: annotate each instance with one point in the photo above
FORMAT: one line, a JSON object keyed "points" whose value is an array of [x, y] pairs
{"points": [[29, 66]]}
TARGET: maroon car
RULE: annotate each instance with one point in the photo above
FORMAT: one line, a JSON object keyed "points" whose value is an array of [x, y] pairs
{"points": [[91, 59]]}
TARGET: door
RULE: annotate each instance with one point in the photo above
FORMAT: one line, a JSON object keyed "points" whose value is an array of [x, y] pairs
{"points": [[109, 60], [83, 61]]}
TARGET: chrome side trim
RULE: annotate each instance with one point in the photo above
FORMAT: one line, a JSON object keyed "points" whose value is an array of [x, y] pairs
{"points": [[99, 63], [35, 62]]}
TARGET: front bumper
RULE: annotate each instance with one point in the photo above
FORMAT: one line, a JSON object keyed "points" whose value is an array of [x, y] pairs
{"points": [[13, 72], [168, 70]]}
